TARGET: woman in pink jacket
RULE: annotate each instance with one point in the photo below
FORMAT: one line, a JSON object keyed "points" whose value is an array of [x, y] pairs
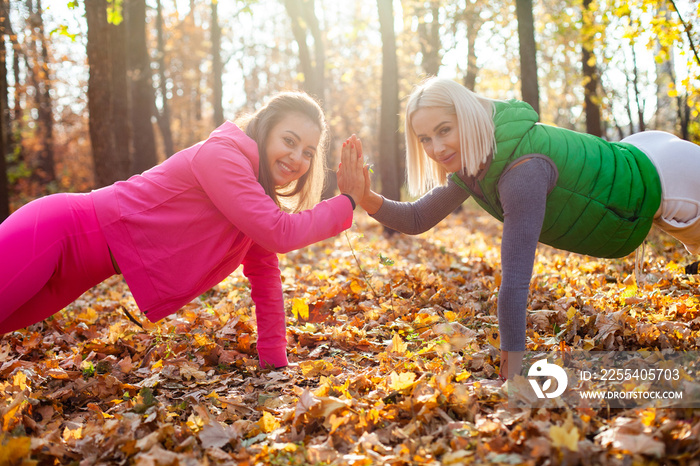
{"points": [[183, 226]]}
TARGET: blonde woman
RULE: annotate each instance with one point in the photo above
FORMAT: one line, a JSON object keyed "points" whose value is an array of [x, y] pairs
{"points": [[569, 190], [183, 226]]}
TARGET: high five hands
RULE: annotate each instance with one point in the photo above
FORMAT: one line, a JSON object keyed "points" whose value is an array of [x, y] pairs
{"points": [[350, 174]]}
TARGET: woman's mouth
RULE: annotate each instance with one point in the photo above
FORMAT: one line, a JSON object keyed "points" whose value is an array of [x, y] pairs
{"points": [[448, 159], [286, 169]]}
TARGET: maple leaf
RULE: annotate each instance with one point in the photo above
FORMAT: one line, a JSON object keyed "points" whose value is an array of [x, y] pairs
{"points": [[398, 382], [300, 309], [268, 423], [217, 435], [564, 437], [14, 449]]}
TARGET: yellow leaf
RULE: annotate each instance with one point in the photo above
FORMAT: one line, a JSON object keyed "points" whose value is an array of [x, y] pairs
{"points": [[330, 405], [355, 287], [401, 381], [336, 421], [8, 419], [195, 422], [300, 309], [648, 417], [14, 449], [493, 337], [564, 437], [157, 365], [397, 345], [200, 339], [19, 380], [89, 316], [315, 368], [268, 423], [75, 434], [629, 291]]}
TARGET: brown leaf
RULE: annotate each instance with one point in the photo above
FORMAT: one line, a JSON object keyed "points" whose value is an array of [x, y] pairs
{"points": [[215, 434]]}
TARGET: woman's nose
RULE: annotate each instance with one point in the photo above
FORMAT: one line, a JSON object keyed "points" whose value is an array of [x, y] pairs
{"points": [[438, 146]]}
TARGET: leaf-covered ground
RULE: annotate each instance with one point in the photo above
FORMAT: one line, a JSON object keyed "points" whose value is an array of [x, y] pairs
{"points": [[393, 344]]}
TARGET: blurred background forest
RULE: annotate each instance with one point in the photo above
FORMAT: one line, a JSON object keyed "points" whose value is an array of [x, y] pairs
{"points": [[96, 90]]}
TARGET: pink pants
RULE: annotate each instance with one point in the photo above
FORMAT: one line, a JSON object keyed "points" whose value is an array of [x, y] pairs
{"points": [[51, 251]]}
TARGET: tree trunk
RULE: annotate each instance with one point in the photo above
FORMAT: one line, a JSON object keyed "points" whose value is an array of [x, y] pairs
{"points": [[389, 164], [217, 65], [163, 115], [684, 116], [637, 96], [474, 23], [110, 159], [119, 95], [429, 33], [590, 76], [304, 21], [4, 112], [142, 99], [44, 168], [666, 117], [528, 53]]}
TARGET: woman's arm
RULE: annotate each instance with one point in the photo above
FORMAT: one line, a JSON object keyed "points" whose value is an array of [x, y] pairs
{"points": [[261, 267], [523, 191], [416, 217], [229, 181]]}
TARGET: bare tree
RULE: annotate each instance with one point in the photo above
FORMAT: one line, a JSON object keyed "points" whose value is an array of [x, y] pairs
{"points": [[389, 122], [429, 35], [313, 62], [142, 99], [44, 170], [528, 53], [163, 114], [107, 118], [473, 21], [4, 111], [217, 65], [590, 75]]}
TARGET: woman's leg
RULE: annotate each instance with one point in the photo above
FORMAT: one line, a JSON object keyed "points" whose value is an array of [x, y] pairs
{"points": [[52, 251]]}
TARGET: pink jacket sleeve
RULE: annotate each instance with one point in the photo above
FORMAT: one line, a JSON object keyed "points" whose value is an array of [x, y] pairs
{"points": [[262, 269], [228, 178]]}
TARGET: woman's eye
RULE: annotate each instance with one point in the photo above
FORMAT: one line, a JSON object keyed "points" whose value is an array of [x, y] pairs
{"points": [[308, 154], [289, 141], [424, 140], [445, 130]]}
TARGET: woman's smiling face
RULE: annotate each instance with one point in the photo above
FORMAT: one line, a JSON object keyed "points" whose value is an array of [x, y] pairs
{"points": [[291, 144], [437, 131]]}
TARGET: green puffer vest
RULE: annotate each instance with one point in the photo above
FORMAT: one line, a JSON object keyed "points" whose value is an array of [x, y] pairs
{"points": [[606, 194]]}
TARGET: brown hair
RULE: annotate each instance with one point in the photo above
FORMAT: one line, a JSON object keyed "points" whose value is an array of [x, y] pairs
{"points": [[305, 192]]}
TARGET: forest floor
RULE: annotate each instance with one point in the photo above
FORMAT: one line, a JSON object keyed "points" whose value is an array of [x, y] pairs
{"points": [[393, 344]]}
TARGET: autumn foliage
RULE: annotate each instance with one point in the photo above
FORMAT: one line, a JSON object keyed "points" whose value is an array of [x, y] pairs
{"points": [[393, 342]]}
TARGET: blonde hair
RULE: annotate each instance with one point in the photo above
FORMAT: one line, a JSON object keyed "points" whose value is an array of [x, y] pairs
{"points": [[475, 125], [305, 192]]}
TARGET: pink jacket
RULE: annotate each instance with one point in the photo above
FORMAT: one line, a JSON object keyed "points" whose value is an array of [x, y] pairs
{"points": [[183, 226]]}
